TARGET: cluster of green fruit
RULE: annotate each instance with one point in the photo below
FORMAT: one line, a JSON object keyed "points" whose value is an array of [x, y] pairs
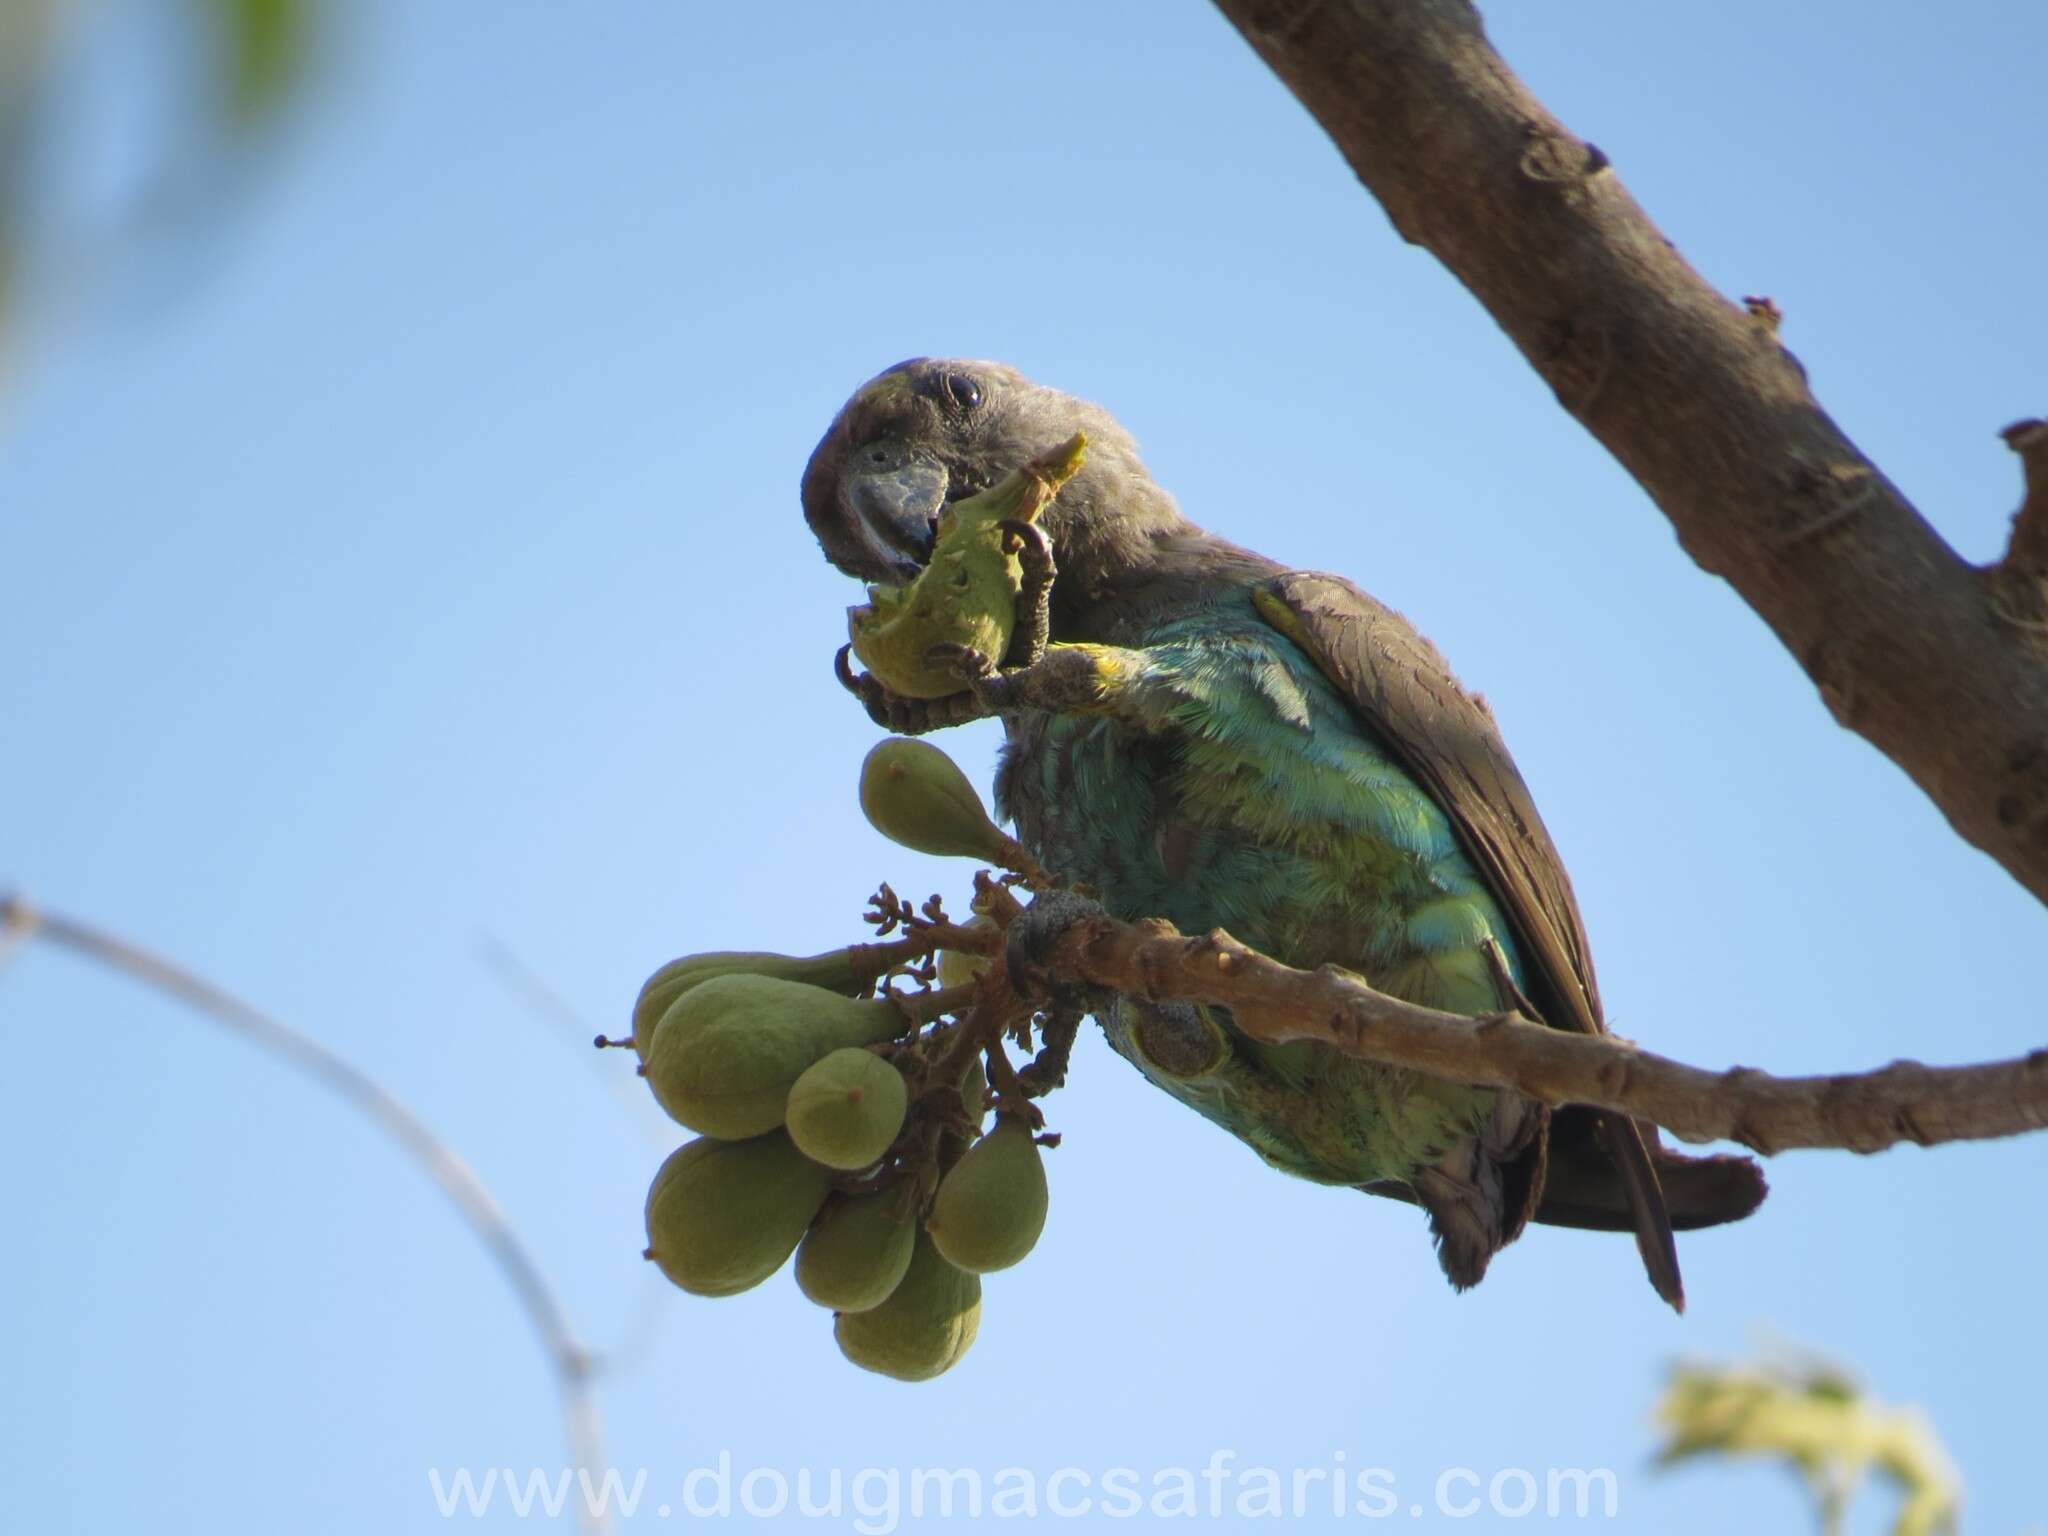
{"points": [[836, 1126]]}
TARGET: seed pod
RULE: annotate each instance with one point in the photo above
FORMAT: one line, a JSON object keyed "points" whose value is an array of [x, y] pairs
{"points": [[958, 967], [834, 970], [722, 1216], [730, 1049], [847, 1109], [915, 795], [991, 1205], [858, 1251], [925, 1325]]}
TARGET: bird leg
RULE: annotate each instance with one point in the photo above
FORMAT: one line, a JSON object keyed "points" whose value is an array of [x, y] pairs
{"points": [[905, 716], [1067, 679], [1027, 541]]}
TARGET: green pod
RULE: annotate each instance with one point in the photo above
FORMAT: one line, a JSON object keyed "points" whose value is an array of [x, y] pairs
{"points": [[924, 1327], [834, 970], [731, 1048], [722, 1216], [857, 1253], [959, 967], [991, 1204], [847, 1109], [966, 595], [915, 795]]}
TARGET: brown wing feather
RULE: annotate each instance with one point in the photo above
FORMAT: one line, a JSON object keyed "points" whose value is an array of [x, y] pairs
{"points": [[1402, 687]]}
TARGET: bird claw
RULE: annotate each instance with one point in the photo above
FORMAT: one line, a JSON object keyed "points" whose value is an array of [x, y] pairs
{"points": [[1034, 597], [963, 661], [894, 712]]}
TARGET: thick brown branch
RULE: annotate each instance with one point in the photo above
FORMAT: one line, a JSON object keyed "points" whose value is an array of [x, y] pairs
{"points": [[1909, 644], [1860, 1111]]}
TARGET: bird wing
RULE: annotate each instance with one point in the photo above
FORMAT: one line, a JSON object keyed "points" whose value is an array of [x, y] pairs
{"points": [[1447, 739]]}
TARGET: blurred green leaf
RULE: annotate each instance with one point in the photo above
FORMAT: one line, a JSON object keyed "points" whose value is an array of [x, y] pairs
{"points": [[264, 48], [25, 29], [1816, 1419]]}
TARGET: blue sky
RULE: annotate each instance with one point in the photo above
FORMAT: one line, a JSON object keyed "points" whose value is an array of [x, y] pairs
{"points": [[423, 566]]}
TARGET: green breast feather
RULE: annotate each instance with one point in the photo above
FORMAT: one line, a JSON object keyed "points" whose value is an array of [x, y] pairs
{"points": [[1229, 785]]}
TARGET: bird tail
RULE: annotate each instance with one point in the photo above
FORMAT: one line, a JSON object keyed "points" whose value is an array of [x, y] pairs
{"points": [[1574, 1167], [1621, 1138], [1584, 1187]]}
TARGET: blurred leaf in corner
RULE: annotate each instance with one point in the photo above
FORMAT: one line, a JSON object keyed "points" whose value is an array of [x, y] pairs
{"points": [[1815, 1418], [263, 50], [25, 27], [189, 87]]}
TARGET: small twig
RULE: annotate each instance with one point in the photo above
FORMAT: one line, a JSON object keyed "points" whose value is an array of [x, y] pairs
{"points": [[1858, 1112], [921, 1008], [545, 1002], [570, 1362]]}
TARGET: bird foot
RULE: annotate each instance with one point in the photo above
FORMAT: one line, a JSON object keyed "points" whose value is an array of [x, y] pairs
{"points": [[905, 716], [1027, 541], [1061, 679]]}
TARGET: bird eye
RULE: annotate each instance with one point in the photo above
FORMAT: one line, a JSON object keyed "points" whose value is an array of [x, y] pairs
{"points": [[963, 391]]}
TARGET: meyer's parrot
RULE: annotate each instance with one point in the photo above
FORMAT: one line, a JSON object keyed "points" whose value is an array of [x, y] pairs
{"points": [[1222, 742]]}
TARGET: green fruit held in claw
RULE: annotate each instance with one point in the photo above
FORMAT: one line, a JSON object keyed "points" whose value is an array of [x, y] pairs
{"points": [[923, 1328], [855, 1256], [722, 1216], [847, 1109], [967, 593], [915, 795], [991, 1205], [730, 1049], [958, 967], [834, 970]]}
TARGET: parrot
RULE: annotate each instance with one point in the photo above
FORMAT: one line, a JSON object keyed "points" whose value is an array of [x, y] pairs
{"points": [[1219, 741]]}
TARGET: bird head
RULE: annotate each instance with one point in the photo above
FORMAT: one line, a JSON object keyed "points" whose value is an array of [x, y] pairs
{"points": [[932, 430]]}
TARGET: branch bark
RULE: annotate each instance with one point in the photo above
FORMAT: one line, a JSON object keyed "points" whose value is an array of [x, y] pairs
{"points": [[1074, 940], [1941, 665]]}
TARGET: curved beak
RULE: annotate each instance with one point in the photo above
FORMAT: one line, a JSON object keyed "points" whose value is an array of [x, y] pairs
{"points": [[892, 495]]}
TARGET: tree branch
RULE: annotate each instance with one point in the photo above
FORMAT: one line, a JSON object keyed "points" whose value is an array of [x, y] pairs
{"points": [[1924, 655], [1070, 939]]}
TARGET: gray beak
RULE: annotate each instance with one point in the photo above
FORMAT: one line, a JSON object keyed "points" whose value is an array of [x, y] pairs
{"points": [[892, 495]]}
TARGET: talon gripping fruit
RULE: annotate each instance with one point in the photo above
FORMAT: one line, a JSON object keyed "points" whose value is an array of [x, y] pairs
{"points": [[967, 592]]}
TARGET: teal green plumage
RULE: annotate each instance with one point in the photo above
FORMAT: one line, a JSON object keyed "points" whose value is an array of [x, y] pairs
{"points": [[1264, 806]]}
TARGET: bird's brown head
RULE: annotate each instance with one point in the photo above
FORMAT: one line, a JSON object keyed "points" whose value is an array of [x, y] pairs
{"points": [[931, 430]]}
